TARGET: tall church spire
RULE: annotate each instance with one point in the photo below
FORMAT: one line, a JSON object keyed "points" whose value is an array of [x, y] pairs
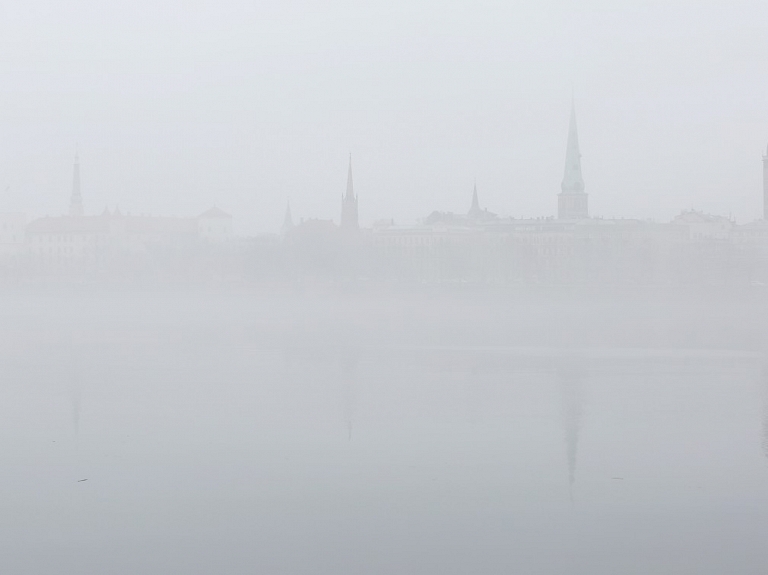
{"points": [[349, 204], [474, 210], [572, 179], [76, 201], [350, 190], [572, 201], [287, 220]]}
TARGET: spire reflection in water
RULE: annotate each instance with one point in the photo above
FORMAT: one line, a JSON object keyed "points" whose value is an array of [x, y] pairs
{"points": [[570, 376], [349, 360]]}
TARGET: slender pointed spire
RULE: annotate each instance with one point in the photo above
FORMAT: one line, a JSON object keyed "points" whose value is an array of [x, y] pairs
{"points": [[349, 203], [572, 178], [76, 201], [572, 201], [475, 209], [288, 219], [350, 190]]}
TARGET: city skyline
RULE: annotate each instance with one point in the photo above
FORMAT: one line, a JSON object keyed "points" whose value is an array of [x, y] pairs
{"points": [[672, 111], [572, 182], [384, 287]]}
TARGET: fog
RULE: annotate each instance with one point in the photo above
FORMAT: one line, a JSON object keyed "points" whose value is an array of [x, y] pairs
{"points": [[392, 288], [179, 105], [204, 432]]}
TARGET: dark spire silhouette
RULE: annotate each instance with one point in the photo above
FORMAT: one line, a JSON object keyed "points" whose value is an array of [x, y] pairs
{"points": [[573, 182], [76, 201], [475, 210], [572, 201], [350, 191], [349, 204], [287, 220]]}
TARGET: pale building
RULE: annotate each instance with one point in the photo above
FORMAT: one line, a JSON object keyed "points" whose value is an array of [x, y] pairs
{"points": [[214, 226], [703, 226], [78, 237], [12, 236]]}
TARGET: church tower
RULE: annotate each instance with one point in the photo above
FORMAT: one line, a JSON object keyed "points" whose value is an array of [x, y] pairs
{"points": [[572, 200], [76, 201], [349, 204], [765, 185]]}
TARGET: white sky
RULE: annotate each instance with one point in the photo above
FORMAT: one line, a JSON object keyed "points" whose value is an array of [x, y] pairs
{"points": [[177, 106]]}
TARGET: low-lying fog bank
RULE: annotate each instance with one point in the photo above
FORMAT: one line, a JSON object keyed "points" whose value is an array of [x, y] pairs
{"points": [[362, 315]]}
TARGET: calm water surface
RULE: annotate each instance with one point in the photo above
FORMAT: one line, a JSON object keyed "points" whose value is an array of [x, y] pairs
{"points": [[211, 447]]}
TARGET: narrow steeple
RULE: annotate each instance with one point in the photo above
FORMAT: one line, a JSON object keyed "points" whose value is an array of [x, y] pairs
{"points": [[349, 203], [572, 201], [475, 209], [76, 201], [287, 220], [573, 182], [350, 190]]}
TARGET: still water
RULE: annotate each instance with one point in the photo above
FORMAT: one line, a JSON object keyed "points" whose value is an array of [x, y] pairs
{"points": [[150, 443]]}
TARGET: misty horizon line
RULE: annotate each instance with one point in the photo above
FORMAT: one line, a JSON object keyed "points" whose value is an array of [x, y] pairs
{"points": [[290, 205], [573, 184]]}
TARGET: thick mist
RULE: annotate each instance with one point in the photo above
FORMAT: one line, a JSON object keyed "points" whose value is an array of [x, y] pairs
{"points": [[179, 105], [420, 433], [402, 288]]}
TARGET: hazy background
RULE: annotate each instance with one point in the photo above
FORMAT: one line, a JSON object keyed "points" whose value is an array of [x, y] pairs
{"points": [[180, 105]]}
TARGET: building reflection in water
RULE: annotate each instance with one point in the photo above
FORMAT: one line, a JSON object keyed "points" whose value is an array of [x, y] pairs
{"points": [[570, 377], [74, 392], [349, 359]]}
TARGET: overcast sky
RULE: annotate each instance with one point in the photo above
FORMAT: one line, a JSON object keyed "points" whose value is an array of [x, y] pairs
{"points": [[177, 106]]}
